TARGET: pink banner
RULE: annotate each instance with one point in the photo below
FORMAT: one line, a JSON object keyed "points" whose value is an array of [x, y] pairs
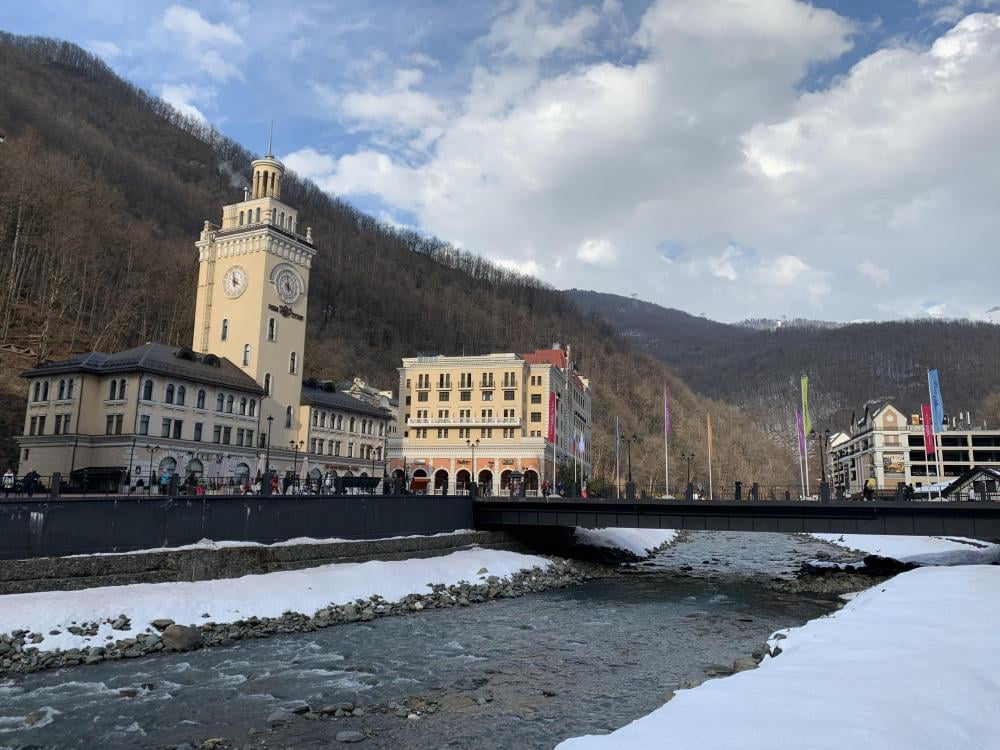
{"points": [[928, 420], [552, 417], [666, 412], [802, 434]]}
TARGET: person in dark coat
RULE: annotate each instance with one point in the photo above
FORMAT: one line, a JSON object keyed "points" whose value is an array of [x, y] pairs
{"points": [[31, 482]]}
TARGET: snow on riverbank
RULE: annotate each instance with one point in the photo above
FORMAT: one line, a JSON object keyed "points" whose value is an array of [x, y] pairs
{"points": [[640, 542], [913, 663], [922, 550], [231, 599]]}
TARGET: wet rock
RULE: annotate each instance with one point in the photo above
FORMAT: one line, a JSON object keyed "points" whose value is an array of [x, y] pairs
{"points": [[181, 638], [303, 709], [349, 735], [128, 692], [278, 718], [34, 718]]}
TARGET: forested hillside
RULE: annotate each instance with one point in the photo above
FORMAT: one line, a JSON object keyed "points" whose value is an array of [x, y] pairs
{"points": [[848, 366], [103, 190]]}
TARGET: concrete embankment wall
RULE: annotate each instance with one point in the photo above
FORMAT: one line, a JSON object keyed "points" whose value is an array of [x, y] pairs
{"points": [[79, 526], [67, 573]]}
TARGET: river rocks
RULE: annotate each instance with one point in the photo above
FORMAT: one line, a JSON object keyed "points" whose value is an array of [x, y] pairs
{"points": [[121, 623], [349, 736], [181, 638], [35, 717], [278, 718], [162, 624]]}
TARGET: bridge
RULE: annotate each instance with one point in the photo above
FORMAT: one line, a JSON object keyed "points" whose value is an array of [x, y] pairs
{"points": [[974, 520]]}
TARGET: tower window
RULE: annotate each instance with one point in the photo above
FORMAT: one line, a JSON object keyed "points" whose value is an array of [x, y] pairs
{"points": [[267, 384], [281, 221], [241, 218], [246, 354], [271, 329], [225, 329], [288, 417], [293, 363], [258, 215]]}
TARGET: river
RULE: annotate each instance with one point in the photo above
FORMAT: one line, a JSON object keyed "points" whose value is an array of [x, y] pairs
{"points": [[525, 672]]}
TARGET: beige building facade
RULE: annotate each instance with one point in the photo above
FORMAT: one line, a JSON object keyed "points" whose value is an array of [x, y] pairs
{"points": [[232, 400], [486, 418]]}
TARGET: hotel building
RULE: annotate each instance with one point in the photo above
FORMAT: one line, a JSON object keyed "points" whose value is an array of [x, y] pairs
{"points": [[485, 418]]}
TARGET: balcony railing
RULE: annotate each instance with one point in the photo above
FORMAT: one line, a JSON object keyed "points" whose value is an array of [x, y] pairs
{"points": [[463, 421]]}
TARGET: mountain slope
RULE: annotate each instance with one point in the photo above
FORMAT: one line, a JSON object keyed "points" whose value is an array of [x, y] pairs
{"points": [[103, 190], [848, 366]]}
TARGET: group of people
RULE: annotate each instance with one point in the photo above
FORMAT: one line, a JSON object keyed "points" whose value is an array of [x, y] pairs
{"points": [[28, 485]]}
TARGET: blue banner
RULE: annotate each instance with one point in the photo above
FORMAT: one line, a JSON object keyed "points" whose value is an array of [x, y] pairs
{"points": [[937, 403]]}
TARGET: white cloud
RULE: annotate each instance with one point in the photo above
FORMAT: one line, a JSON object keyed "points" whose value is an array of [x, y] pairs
{"points": [[194, 29], [874, 273], [597, 251], [107, 50], [702, 135], [181, 97]]}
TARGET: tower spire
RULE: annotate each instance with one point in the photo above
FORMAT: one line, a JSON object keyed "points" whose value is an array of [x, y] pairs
{"points": [[270, 131]]}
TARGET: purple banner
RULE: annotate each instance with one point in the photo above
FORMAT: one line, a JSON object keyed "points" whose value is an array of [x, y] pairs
{"points": [[802, 434], [666, 412]]}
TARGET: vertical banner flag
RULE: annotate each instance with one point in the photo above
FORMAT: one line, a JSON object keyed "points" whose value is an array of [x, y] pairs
{"points": [[925, 413], [581, 446], [552, 417], [666, 412], [802, 434], [806, 421], [937, 403]]}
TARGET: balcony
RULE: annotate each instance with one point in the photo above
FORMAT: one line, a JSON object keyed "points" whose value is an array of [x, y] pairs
{"points": [[463, 422]]}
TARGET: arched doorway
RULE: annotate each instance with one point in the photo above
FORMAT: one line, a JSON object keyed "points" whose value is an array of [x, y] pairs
{"points": [[195, 468], [441, 482], [486, 482], [419, 473], [505, 481], [531, 481], [462, 479], [167, 464]]}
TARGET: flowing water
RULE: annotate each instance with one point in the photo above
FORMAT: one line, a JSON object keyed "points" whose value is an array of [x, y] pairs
{"points": [[524, 673]]}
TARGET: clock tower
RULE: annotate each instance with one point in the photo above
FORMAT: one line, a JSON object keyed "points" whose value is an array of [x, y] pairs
{"points": [[253, 284]]}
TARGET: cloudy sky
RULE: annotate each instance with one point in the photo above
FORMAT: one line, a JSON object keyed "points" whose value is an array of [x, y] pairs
{"points": [[736, 158]]}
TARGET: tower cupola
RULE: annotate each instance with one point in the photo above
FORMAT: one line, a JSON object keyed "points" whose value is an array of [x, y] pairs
{"points": [[267, 173]]}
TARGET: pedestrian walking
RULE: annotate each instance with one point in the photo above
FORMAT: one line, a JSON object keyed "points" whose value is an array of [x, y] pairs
{"points": [[8, 482], [31, 482]]}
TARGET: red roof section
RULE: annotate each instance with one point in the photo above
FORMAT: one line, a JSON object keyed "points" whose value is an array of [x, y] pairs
{"points": [[555, 357]]}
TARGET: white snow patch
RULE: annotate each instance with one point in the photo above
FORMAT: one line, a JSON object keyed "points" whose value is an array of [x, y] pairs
{"points": [[640, 542], [225, 543], [913, 663], [231, 599], [923, 550]]}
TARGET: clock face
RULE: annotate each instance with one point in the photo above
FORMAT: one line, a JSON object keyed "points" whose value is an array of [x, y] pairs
{"points": [[288, 284], [235, 281]]}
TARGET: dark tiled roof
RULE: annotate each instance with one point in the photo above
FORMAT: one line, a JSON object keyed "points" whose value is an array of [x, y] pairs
{"points": [[171, 361], [324, 395]]}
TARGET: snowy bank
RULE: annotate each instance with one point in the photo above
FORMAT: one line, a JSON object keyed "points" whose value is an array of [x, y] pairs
{"points": [[640, 542], [229, 600], [922, 550], [913, 663]]}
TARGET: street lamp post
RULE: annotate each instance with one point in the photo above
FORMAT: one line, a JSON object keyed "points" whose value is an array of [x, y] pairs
{"points": [[472, 474], [267, 450], [689, 492], [296, 446], [822, 439], [629, 484], [152, 449]]}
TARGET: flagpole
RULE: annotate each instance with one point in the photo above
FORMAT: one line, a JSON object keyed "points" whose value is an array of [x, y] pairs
{"points": [[808, 488], [618, 490], [711, 494], [666, 441], [800, 442]]}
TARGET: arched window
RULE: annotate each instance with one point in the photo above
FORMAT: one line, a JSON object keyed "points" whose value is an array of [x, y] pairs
{"points": [[147, 390], [181, 395], [45, 391], [352, 425], [220, 401], [241, 218], [267, 384], [37, 394], [381, 429], [112, 390], [322, 419], [340, 421], [243, 405], [229, 403], [293, 363], [62, 389], [168, 396], [253, 407], [288, 417], [258, 215], [271, 329], [246, 354], [281, 221], [121, 388], [201, 398], [69, 389], [315, 418], [225, 329]]}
